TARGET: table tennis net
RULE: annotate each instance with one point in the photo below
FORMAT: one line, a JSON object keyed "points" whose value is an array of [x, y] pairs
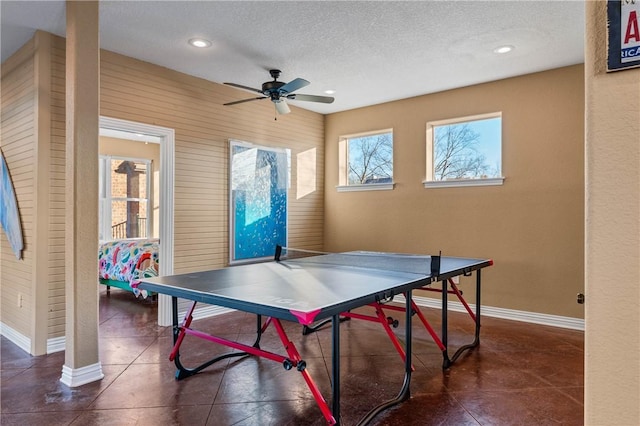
{"points": [[396, 262]]}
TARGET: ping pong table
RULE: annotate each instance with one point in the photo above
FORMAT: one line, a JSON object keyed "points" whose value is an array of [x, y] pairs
{"points": [[307, 290]]}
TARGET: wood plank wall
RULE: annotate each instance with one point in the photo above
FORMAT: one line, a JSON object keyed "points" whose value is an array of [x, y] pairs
{"points": [[56, 208], [18, 145], [138, 91]]}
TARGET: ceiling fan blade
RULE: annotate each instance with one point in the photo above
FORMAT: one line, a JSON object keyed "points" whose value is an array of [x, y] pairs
{"points": [[282, 107], [294, 85], [311, 98], [251, 89], [245, 100]]}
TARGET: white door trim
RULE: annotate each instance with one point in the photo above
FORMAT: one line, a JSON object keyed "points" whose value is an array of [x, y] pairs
{"points": [[167, 174]]}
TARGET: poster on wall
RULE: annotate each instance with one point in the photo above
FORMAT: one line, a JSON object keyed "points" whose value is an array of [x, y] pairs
{"points": [[259, 181], [623, 34]]}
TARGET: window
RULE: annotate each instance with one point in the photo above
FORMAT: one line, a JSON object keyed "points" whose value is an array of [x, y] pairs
{"points": [[258, 206], [465, 151], [366, 161], [124, 198]]}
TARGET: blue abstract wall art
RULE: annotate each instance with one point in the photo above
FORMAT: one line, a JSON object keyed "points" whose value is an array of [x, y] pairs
{"points": [[259, 184], [9, 214]]}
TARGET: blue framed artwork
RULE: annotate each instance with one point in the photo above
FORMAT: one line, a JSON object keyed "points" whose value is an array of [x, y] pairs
{"points": [[259, 182]]}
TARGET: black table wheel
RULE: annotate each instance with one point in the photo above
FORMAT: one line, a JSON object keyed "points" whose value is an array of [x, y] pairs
{"points": [[287, 364], [301, 365]]}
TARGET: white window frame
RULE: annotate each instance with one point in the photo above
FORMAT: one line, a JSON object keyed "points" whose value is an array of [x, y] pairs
{"points": [[429, 182], [343, 164], [106, 199]]}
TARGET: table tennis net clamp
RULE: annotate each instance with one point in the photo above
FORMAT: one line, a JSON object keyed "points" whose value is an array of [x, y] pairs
{"points": [[381, 308]]}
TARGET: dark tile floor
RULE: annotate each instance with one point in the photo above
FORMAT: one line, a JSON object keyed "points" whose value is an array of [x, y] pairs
{"points": [[521, 374]]}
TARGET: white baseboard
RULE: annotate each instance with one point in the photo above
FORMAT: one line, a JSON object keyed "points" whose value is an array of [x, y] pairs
{"points": [[55, 344], [20, 340], [488, 311], [74, 377], [203, 311], [508, 314], [207, 311]]}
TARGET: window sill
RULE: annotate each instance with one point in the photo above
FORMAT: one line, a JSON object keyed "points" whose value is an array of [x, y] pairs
{"points": [[366, 187], [463, 182]]}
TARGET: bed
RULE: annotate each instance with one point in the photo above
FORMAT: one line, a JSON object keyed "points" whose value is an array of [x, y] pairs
{"points": [[122, 263]]}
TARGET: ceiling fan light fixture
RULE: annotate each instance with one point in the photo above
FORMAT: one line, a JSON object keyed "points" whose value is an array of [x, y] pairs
{"points": [[199, 42], [329, 92], [282, 107], [503, 49]]}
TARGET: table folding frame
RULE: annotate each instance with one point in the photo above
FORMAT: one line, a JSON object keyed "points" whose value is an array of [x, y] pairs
{"points": [[293, 358], [448, 287], [382, 307]]}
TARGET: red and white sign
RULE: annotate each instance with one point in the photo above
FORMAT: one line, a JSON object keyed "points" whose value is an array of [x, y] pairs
{"points": [[629, 30]]}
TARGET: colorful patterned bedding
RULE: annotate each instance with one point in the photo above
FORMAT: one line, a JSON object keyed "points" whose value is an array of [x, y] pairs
{"points": [[122, 263]]}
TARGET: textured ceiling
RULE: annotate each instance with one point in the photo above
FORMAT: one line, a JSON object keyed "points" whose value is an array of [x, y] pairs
{"points": [[368, 52]]}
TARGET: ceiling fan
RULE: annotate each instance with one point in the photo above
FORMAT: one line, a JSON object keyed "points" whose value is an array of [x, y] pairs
{"points": [[279, 92]]}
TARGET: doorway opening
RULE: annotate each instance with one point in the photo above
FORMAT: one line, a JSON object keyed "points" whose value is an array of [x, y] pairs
{"points": [[164, 137]]}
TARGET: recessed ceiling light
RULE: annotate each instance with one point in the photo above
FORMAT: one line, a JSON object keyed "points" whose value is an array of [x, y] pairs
{"points": [[330, 92], [503, 49], [199, 42]]}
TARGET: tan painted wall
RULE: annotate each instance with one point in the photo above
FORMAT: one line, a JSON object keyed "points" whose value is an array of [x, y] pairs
{"points": [[532, 226], [612, 343]]}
